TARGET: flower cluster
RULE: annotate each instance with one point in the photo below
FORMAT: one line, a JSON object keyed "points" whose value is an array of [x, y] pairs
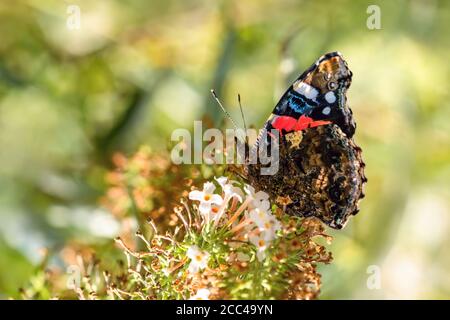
{"points": [[253, 220], [226, 240], [231, 243]]}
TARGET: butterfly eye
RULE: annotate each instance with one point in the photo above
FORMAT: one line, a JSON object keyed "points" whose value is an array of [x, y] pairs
{"points": [[332, 85]]}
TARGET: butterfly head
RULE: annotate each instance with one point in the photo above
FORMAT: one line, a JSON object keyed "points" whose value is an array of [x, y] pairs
{"points": [[330, 77]]}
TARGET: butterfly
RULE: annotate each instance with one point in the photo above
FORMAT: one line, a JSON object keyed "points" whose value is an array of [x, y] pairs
{"points": [[320, 168]]}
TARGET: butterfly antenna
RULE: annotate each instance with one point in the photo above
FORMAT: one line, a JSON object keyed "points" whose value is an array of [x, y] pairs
{"points": [[243, 117], [223, 109]]}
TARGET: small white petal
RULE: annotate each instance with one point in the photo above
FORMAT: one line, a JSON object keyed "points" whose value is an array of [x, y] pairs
{"points": [[209, 187], [233, 192], [202, 294], [237, 193], [261, 255], [262, 205], [192, 251], [205, 207], [196, 195], [269, 235], [216, 199], [261, 195], [222, 181], [193, 268]]}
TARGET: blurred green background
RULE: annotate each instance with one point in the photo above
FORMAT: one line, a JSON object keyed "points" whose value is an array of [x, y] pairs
{"points": [[135, 70]]}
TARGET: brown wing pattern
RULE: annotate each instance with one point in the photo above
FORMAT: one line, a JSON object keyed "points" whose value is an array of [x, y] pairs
{"points": [[321, 174]]}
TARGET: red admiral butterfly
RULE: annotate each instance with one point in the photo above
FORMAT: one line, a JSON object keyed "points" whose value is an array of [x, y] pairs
{"points": [[321, 172]]}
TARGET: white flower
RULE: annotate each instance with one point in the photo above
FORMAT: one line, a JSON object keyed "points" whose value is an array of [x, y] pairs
{"points": [[230, 190], [199, 259], [264, 220], [271, 226], [221, 180], [202, 294], [259, 217], [213, 213], [206, 197], [260, 199], [261, 245]]}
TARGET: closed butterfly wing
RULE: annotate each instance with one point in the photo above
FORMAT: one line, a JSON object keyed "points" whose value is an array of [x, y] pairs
{"points": [[320, 168]]}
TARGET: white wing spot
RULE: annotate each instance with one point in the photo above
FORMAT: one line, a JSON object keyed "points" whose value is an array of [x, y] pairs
{"points": [[330, 97], [306, 90], [326, 111]]}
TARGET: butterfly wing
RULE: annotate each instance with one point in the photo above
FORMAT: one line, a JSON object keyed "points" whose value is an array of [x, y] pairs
{"points": [[322, 173], [317, 97]]}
